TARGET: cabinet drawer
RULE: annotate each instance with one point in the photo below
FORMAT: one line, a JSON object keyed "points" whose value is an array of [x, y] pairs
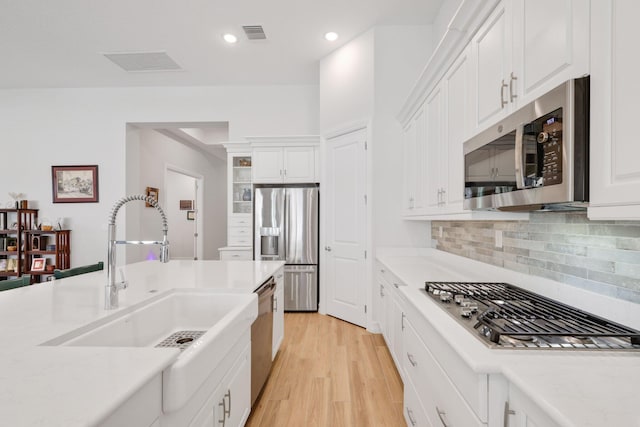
{"points": [[441, 400], [414, 413], [473, 387], [239, 221], [388, 276], [240, 231], [239, 241], [236, 255]]}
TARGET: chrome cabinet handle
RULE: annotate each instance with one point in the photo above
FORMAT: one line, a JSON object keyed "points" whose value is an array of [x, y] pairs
{"points": [[382, 291], [402, 322], [507, 412], [411, 418], [224, 413], [442, 415], [503, 102], [412, 360], [227, 412], [512, 96]]}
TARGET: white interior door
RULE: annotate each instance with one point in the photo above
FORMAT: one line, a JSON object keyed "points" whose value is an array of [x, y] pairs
{"points": [[345, 242]]}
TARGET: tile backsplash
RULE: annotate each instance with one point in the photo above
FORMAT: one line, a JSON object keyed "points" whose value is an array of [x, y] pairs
{"points": [[601, 256]]}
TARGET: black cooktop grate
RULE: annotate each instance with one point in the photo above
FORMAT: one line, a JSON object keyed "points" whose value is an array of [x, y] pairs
{"points": [[510, 310]]}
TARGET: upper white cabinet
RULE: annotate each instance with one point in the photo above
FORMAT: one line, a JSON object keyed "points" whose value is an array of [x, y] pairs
{"points": [[239, 202], [615, 170], [285, 160], [526, 48], [414, 148]]}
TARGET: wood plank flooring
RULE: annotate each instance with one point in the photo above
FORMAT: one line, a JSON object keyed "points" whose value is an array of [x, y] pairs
{"points": [[330, 373]]}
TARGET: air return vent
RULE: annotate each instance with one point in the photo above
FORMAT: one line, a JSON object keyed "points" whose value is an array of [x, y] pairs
{"points": [[143, 61], [254, 32]]}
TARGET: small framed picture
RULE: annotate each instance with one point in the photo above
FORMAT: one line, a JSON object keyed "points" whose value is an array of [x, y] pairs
{"points": [[38, 264], [153, 193], [75, 184], [191, 215]]}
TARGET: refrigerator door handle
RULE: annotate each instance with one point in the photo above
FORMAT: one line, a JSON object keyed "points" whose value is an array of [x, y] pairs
{"points": [[285, 233]]}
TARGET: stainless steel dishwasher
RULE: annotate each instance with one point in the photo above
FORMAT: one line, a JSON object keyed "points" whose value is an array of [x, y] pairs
{"points": [[262, 338]]}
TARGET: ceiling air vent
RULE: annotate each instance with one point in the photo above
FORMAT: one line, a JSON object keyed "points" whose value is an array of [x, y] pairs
{"points": [[143, 61], [254, 32]]}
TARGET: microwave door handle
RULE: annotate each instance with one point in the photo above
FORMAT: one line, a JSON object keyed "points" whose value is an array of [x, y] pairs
{"points": [[520, 157]]}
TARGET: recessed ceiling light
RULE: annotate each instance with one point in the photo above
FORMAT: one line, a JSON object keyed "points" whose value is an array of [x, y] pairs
{"points": [[331, 36], [230, 38]]}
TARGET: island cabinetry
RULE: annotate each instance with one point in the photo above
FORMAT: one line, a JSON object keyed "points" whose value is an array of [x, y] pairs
{"points": [[521, 411], [13, 225], [278, 313], [53, 246]]}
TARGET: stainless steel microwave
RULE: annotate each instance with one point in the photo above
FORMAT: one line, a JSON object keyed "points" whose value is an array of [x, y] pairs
{"points": [[536, 158]]}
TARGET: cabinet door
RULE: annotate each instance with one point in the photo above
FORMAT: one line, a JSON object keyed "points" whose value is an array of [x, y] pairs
{"points": [[267, 165], [415, 167], [521, 411], [457, 118], [551, 44], [299, 164], [492, 59], [435, 149], [398, 328], [615, 90], [278, 313]]}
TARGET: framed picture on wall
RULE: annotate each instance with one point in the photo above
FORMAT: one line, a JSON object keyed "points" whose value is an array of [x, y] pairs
{"points": [[75, 184], [153, 193], [38, 264]]}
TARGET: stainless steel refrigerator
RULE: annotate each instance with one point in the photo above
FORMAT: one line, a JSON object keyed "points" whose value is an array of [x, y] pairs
{"points": [[286, 228]]}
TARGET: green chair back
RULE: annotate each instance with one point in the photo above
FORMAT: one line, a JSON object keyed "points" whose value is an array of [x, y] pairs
{"points": [[61, 274], [21, 281]]}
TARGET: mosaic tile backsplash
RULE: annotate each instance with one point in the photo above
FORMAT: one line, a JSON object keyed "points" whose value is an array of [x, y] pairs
{"points": [[601, 256]]}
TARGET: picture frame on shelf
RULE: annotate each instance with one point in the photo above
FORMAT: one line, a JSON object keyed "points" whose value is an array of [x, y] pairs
{"points": [[75, 184], [153, 193], [38, 264], [12, 265], [3, 264]]}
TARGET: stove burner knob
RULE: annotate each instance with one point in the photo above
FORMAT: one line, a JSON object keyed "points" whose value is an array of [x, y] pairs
{"points": [[446, 297], [458, 298], [470, 305], [466, 312]]}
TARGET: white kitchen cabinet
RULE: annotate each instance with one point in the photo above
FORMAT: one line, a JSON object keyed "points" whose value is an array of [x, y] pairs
{"points": [[239, 197], [230, 404], [524, 49], [435, 181], [521, 411], [414, 148], [235, 253], [442, 402], [392, 315], [284, 164], [278, 313], [615, 89]]}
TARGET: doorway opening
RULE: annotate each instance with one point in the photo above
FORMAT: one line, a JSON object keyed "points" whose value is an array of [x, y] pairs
{"points": [[184, 193]]}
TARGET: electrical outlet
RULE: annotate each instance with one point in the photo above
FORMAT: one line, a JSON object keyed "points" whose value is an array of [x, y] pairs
{"points": [[498, 239]]}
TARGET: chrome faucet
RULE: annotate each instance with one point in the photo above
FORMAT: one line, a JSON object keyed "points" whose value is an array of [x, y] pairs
{"points": [[112, 288]]}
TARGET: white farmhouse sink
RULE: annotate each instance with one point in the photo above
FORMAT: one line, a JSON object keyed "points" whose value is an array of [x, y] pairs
{"points": [[220, 318]]}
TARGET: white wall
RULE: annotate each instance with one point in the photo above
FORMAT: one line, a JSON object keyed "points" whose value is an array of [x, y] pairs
{"points": [[401, 52], [49, 127], [181, 233], [347, 83]]}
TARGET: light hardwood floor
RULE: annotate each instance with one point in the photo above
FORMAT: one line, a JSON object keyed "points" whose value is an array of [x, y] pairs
{"points": [[329, 373]]}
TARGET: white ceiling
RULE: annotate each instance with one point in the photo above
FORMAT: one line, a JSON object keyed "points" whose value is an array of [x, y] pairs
{"points": [[60, 43]]}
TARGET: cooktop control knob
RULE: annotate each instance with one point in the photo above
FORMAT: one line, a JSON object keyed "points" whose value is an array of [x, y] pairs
{"points": [[446, 297], [458, 298], [543, 137]]}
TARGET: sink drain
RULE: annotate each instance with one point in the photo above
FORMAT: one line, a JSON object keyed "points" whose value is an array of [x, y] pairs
{"points": [[180, 339]]}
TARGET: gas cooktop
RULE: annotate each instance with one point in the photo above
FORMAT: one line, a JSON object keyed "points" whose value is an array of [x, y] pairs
{"points": [[505, 316]]}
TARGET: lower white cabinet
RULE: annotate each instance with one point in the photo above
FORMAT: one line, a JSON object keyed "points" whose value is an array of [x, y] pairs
{"points": [[391, 316], [235, 253], [414, 413], [278, 313], [229, 405], [442, 403], [521, 411]]}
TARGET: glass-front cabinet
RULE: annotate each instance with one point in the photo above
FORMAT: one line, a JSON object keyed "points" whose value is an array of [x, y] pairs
{"points": [[241, 184]]}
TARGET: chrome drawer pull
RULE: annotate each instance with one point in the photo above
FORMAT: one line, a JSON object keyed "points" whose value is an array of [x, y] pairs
{"points": [[442, 415], [507, 412], [412, 360], [223, 414], [227, 412], [411, 418]]}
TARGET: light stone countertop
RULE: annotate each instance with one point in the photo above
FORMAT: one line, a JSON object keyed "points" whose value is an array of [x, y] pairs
{"points": [[80, 386], [575, 388]]}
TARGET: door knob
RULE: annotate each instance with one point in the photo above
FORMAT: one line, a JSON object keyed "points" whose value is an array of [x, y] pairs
{"points": [[327, 248]]}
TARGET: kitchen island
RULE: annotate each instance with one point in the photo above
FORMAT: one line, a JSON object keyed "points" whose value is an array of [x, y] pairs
{"points": [[542, 387], [50, 385]]}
